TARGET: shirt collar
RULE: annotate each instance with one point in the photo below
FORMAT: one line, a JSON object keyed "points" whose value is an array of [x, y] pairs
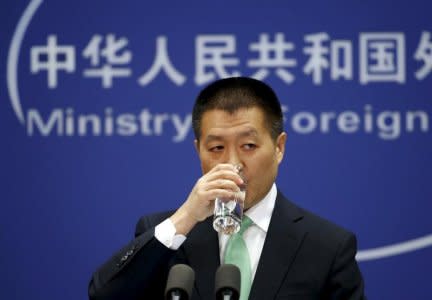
{"points": [[261, 212]]}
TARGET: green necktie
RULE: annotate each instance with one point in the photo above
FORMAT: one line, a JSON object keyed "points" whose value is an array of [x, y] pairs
{"points": [[236, 253]]}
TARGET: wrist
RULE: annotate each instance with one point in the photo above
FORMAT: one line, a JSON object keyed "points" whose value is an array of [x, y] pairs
{"points": [[183, 221]]}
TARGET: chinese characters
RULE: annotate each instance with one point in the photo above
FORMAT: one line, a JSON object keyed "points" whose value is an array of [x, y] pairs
{"points": [[381, 58]]}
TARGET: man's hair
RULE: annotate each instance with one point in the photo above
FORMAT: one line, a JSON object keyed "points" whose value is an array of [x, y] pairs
{"points": [[232, 94]]}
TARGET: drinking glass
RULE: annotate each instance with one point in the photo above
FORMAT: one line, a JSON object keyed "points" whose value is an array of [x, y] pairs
{"points": [[228, 213]]}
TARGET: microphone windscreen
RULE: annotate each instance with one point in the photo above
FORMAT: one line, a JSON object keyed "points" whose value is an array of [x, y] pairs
{"points": [[181, 278], [227, 278]]}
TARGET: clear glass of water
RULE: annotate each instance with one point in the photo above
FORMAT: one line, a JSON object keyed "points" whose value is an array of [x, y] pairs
{"points": [[229, 213]]}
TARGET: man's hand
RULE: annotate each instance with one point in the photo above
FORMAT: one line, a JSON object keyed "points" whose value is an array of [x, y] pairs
{"points": [[220, 182]]}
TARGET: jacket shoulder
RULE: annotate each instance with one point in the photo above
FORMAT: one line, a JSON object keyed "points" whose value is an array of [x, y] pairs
{"points": [[318, 228]]}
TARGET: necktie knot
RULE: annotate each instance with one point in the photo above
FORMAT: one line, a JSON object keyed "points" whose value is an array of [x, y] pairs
{"points": [[246, 223]]}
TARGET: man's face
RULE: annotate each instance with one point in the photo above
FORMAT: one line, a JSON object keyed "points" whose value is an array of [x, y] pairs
{"points": [[242, 138]]}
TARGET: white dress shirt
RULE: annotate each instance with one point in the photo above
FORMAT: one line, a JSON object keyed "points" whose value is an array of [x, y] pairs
{"points": [[254, 236]]}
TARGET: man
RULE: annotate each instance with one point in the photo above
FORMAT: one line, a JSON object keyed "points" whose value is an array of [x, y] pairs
{"points": [[293, 254]]}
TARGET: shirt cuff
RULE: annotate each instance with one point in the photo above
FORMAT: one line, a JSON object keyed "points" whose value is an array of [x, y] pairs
{"points": [[165, 233]]}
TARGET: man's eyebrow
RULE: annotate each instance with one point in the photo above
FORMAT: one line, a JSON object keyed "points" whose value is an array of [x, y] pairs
{"points": [[212, 137], [246, 133], [250, 132]]}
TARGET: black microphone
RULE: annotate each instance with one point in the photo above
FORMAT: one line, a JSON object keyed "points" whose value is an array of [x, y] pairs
{"points": [[227, 282], [180, 282]]}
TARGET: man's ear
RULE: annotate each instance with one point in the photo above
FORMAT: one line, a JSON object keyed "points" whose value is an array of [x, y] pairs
{"points": [[280, 146], [196, 144]]}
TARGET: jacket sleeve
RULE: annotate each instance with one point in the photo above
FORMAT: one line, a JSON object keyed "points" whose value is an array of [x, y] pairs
{"points": [[138, 270], [346, 282]]}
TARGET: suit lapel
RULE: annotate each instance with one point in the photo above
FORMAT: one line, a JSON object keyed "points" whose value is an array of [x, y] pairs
{"points": [[280, 248], [202, 251]]}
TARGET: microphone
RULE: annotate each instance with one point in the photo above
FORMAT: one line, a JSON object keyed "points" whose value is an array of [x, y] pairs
{"points": [[227, 282], [179, 283]]}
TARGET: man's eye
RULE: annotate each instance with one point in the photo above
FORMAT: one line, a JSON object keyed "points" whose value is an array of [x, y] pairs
{"points": [[249, 146], [216, 148]]}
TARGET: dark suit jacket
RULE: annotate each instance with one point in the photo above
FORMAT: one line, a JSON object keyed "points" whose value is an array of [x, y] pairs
{"points": [[304, 257]]}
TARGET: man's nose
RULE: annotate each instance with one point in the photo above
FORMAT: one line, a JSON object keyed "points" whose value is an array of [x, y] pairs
{"points": [[234, 158]]}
